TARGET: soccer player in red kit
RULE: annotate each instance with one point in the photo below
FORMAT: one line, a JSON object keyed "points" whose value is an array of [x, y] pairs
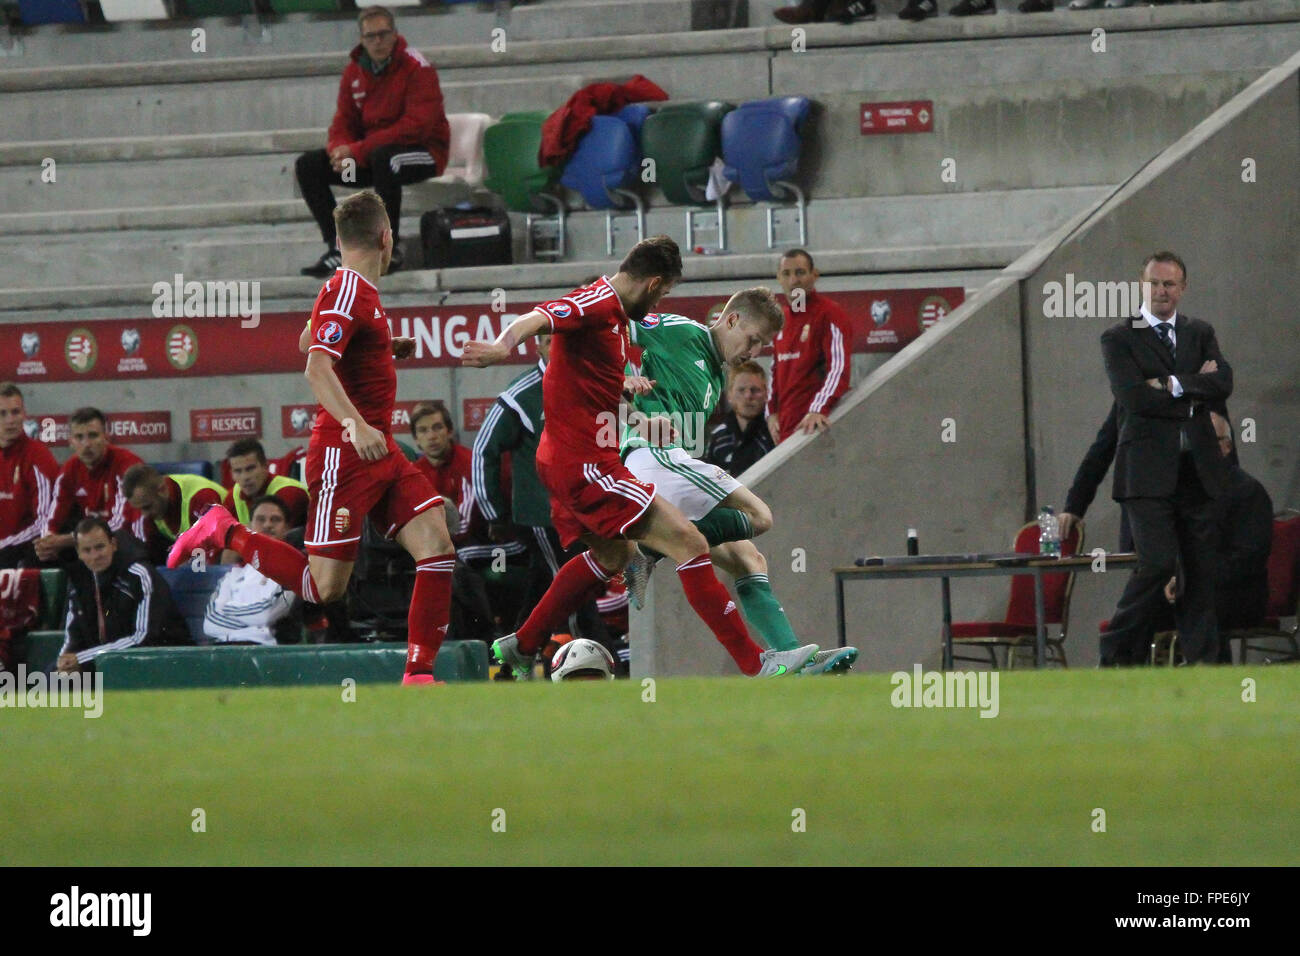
{"points": [[354, 467], [594, 498]]}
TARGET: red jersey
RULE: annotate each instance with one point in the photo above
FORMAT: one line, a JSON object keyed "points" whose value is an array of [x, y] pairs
{"points": [[811, 369], [27, 475], [349, 325], [583, 383], [454, 481], [82, 492], [291, 496]]}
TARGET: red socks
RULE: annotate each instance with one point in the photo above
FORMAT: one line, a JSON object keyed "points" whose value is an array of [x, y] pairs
{"points": [[714, 606], [282, 563], [574, 585], [426, 622]]}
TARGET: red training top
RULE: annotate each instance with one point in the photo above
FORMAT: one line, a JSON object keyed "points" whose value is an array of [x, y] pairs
{"points": [[401, 105], [811, 368], [82, 492], [28, 472]]}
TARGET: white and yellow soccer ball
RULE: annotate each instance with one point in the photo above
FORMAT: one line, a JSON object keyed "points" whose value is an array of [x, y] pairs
{"points": [[582, 659]]}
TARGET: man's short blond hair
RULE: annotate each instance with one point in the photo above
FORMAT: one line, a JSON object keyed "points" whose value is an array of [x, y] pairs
{"points": [[369, 12], [360, 220], [757, 305]]}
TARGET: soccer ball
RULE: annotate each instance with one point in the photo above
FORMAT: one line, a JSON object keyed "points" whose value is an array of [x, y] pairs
{"points": [[581, 659]]}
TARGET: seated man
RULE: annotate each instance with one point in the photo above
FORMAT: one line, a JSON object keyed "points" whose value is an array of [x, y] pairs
{"points": [[253, 479], [27, 475], [113, 604], [444, 462], [248, 607], [742, 437], [89, 486], [389, 130], [173, 502]]}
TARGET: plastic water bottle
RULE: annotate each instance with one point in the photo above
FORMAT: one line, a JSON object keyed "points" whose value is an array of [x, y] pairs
{"points": [[1049, 533], [913, 546]]}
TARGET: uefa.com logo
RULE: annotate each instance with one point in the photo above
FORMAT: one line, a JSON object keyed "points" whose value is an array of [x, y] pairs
{"points": [[39, 689], [946, 689]]}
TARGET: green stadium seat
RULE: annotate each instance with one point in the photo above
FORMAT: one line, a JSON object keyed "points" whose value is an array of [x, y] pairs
{"points": [[510, 153], [304, 6], [684, 139], [158, 668], [195, 9], [41, 649], [54, 595]]}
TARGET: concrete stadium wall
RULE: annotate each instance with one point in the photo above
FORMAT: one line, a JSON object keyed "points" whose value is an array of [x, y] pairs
{"points": [[882, 467]]}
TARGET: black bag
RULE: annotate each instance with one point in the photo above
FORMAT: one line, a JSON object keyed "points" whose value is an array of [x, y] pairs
{"points": [[465, 236]]}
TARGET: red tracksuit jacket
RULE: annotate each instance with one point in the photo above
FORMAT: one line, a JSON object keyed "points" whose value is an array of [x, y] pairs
{"points": [[811, 365], [403, 104], [27, 475]]}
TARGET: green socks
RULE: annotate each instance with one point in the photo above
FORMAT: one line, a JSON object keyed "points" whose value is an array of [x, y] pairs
{"points": [[725, 524], [763, 612]]}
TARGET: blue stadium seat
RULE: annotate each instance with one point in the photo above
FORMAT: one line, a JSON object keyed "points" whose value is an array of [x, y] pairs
{"points": [[760, 149], [605, 163], [36, 12], [191, 590], [201, 468]]}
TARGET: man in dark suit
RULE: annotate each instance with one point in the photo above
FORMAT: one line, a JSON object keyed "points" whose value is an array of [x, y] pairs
{"points": [[1163, 369]]}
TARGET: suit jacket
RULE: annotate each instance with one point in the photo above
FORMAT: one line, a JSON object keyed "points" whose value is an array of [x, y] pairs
{"points": [[1150, 420]]}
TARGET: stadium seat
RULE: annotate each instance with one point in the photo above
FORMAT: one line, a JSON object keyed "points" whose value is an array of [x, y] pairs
{"points": [[42, 649], [196, 467], [304, 6], [1283, 596], [54, 595], [191, 590], [36, 12], [1018, 629], [465, 158], [760, 147], [194, 9], [684, 139], [510, 153], [605, 163], [125, 11]]}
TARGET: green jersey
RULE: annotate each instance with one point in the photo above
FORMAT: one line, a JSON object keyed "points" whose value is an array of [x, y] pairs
{"points": [[680, 356]]}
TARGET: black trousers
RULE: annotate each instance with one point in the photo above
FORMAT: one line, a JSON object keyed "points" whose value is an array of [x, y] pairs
{"points": [[390, 168], [1169, 533]]}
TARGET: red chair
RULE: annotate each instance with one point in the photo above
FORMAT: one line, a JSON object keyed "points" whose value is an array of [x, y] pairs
{"points": [[1283, 596], [1018, 630]]}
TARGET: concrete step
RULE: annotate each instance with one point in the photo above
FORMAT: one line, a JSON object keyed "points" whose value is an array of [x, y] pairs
{"points": [[704, 275], [238, 105], [262, 249], [438, 25]]}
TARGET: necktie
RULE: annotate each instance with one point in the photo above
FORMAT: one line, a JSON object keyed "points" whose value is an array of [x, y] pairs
{"points": [[1163, 330], [99, 606]]}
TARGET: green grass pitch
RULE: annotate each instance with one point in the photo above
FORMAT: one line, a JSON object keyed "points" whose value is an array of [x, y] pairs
{"points": [[711, 772]]}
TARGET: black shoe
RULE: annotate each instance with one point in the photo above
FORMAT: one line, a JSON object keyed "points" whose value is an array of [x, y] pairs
{"points": [[324, 266], [842, 12], [918, 10], [970, 8], [1037, 6], [394, 263]]}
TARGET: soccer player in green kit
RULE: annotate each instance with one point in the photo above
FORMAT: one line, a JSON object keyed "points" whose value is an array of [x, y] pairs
{"points": [[682, 375]]}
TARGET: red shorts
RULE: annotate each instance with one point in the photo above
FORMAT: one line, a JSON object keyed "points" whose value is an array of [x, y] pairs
{"points": [[344, 488], [602, 498]]}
